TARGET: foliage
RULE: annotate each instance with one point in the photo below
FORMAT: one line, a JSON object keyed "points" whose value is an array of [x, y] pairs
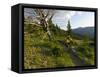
{"points": [[86, 52], [69, 28], [40, 52]]}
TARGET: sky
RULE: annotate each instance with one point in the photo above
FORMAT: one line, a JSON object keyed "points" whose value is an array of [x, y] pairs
{"points": [[77, 18]]}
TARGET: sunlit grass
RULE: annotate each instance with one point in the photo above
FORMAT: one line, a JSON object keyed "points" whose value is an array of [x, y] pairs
{"points": [[40, 52]]}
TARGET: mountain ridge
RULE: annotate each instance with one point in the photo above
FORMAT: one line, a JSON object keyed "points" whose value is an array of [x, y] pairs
{"points": [[88, 31]]}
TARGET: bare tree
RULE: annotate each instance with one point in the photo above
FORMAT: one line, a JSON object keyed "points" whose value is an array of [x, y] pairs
{"points": [[43, 18]]}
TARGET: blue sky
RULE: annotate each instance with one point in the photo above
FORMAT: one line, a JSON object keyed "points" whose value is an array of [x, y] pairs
{"points": [[77, 18]]}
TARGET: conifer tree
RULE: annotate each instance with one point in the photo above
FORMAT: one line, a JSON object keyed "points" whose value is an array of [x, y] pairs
{"points": [[69, 28]]}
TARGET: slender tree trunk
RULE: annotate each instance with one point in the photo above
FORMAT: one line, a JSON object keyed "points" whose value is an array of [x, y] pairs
{"points": [[49, 33], [48, 30]]}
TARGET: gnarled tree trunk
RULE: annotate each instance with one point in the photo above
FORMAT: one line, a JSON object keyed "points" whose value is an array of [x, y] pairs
{"points": [[45, 18]]}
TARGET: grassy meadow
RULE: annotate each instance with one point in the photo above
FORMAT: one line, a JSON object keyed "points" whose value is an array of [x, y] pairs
{"points": [[65, 49]]}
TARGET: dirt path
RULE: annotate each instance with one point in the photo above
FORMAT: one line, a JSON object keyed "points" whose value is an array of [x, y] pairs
{"points": [[76, 60]]}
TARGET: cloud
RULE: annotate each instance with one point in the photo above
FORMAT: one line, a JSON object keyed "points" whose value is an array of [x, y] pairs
{"points": [[70, 14], [79, 13], [66, 14]]}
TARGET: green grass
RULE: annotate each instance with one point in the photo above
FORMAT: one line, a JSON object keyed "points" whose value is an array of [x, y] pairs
{"points": [[86, 53], [44, 53], [39, 52]]}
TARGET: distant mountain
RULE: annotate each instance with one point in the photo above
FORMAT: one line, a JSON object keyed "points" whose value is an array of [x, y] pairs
{"points": [[89, 31]]}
